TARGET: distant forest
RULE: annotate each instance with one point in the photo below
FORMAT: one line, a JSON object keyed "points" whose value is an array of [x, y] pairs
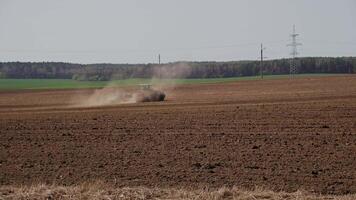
{"points": [[58, 70]]}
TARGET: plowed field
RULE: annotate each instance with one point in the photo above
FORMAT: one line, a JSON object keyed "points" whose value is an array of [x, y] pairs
{"points": [[279, 134]]}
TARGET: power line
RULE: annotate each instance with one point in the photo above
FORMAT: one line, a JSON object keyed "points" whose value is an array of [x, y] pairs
{"points": [[125, 50]]}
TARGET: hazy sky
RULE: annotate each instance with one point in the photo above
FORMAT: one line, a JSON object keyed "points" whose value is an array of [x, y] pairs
{"points": [[136, 31]]}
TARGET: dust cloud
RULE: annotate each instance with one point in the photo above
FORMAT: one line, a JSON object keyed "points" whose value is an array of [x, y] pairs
{"points": [[162, 82], [108, 96]]}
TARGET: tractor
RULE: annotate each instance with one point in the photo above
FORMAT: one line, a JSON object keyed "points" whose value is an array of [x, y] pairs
{"points": [[147, 94]]}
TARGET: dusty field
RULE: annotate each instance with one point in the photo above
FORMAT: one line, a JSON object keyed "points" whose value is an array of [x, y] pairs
{"points": [[284, 135]]}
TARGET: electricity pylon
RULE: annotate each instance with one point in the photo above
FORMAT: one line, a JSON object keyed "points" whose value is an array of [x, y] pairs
{"points": [[294, 52]]}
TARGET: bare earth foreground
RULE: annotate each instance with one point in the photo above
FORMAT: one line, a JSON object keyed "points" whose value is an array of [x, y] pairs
{"points": [[283, 135]]}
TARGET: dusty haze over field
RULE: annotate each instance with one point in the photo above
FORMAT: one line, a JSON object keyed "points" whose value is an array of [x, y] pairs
{"points": [[136, 31]]}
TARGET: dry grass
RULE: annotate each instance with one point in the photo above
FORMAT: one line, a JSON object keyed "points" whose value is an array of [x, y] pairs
{"points": [[103, 191]]}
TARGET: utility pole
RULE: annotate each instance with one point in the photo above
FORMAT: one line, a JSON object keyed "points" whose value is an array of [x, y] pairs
{"points": [[159, 67], [261, 64], [294, 52]]}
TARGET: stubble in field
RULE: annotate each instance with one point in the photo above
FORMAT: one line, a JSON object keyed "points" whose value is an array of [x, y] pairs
{"points": [[99, 190]]}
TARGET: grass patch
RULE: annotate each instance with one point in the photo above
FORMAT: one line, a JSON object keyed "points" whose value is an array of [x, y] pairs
{"points": [[16, 84]]}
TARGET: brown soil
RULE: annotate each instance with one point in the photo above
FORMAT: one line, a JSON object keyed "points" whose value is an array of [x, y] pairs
{"points": [[280, 134]]}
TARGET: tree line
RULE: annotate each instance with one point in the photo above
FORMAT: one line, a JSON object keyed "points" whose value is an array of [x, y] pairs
{"points": [[60, 70]]}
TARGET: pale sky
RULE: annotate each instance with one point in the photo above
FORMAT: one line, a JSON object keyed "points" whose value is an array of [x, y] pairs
{"points": [[136, 31]]}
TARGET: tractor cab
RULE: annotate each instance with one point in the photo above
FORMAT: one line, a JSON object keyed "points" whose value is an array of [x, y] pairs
{"points": [[145, 86]]}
